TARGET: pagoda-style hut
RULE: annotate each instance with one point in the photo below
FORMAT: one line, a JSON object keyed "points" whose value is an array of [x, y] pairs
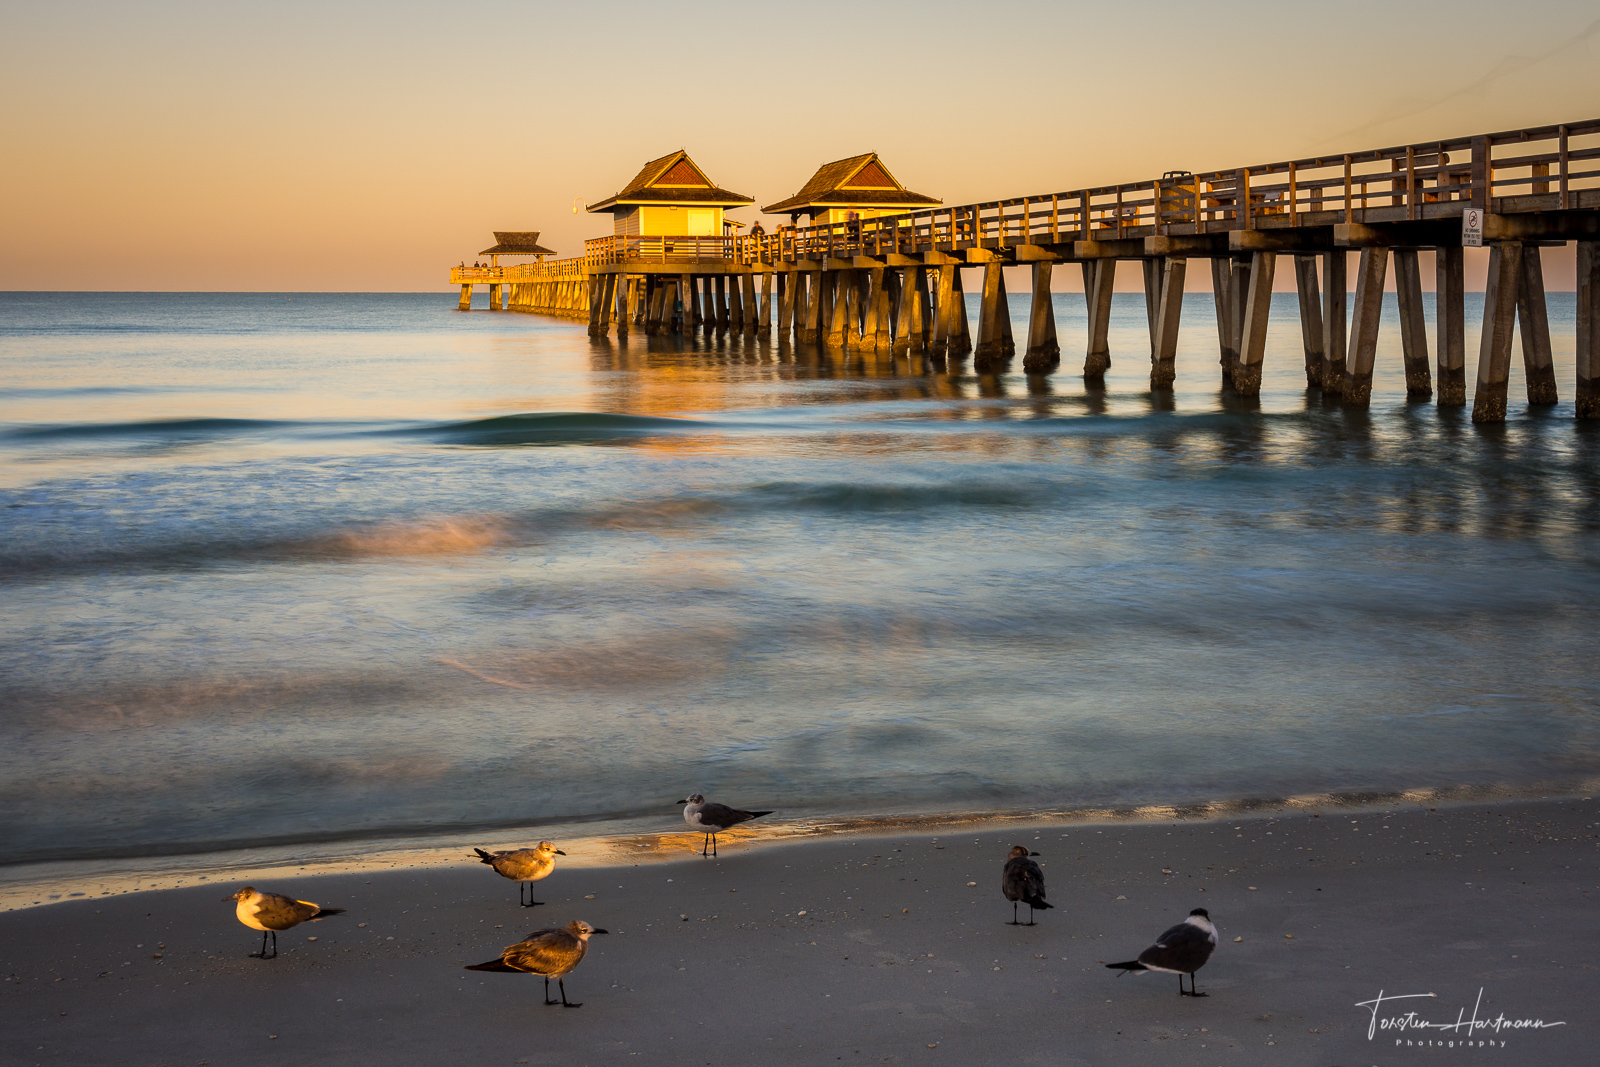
{"points": [[516, 243], [670, 197], [861, 185]]}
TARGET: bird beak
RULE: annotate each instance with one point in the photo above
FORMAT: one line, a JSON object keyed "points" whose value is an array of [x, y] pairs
{"points": [[1033, 853], [599, 931], [226, 899], [560, 853], [685, 801]]}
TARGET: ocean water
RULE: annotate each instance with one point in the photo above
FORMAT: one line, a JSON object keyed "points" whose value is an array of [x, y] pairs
{"points": [[311, 570]]}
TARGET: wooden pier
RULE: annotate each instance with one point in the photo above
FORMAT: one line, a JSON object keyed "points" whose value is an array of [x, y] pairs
{"points": [[894, 284]]}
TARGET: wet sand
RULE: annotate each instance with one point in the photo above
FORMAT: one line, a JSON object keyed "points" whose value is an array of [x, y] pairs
{"points": [[896, 959]]}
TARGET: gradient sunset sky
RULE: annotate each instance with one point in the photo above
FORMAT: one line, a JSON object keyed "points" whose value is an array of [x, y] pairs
{"points": [[365, 146]]}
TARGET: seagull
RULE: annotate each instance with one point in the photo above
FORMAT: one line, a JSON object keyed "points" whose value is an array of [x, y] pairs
{"points": [[524, 865], [270, 912], [548, 954], [1182, 950], [1023, 880], [711, 819]]}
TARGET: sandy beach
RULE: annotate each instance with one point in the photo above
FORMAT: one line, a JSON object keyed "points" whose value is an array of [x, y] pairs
{"points": [[870, 949]]}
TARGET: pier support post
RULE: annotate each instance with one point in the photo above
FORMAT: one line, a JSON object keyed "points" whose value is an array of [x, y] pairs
{"points": [[670, 320], [1335, 311], [912, 318], [747, 286], [624, 291], [658, 306], [889, 324], [1371, 269], [871, 306], [641, 298], [1044, 351], [1533, 323], [959, 343], [1305, 283], [466, 297], [689, 294], [596, 286], [1413, 325], [843, 284], [1588, 293], [940, 343], [1253, 337], [1152, 298], [989, 345], [495, 297], [786, 280], [764, 321], [812, 328], [721, 285], [1494, 343], [1222, 300], [1008, 343], [1169, 311], [1099, 277], [1450, 310]]}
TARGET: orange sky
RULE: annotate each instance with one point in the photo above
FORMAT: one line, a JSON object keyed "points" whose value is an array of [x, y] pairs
{"points": [[298, 146]]}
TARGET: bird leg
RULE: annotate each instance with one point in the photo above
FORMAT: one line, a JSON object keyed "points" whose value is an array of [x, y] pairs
{"points": [[562, 982], [1192, 992], [713, 845], [1013, 921], [547, 1000], [531, 902], [1030, 915], [705, 843], [263, 953]]}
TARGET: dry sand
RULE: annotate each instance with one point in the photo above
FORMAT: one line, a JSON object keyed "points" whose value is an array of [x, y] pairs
{"points": [[896, 959]]}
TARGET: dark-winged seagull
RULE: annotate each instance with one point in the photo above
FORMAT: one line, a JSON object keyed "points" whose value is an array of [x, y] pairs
{"points": [[548, 954], [1022, 880], [1182, 950], [271, 912], [711, 819], [523, 866]]}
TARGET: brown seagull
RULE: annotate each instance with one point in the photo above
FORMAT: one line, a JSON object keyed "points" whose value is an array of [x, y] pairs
{"points": [[271, 912], [523, 866], [548, 954], [1021, 879]]}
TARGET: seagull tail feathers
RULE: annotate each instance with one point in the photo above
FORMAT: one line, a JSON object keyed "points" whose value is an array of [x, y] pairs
{"points": [[1131, 965], [1037, 902], [493, 965], [484, 856], [323, 913], [757, 814]]}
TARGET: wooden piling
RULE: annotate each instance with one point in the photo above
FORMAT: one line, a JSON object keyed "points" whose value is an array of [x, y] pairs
{"points": [[843, 285], [1363, 349], [1151, 268], [1008, 343], [1169, 312], [1499, 322], [1450, 313], [1305, 282], [959, 343], [889, 311], [623, 290], [1413, 325], [1257, 312], [943, 310], [870, 324], [466, 297], [1222, 300], [1238, 301], [912, 326], [670, 320], [1335, 301], [748, 302], [786, 289], [1533, 324], [1588, 293], [1043, 354], [596, 285], [721, 282], [989, 345], [764, 322], [1099, 278], [811, 328]]}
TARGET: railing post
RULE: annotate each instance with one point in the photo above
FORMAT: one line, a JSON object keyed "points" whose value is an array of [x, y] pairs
{"points": [[1411, 182], [1561, 162], [1481, 173]]}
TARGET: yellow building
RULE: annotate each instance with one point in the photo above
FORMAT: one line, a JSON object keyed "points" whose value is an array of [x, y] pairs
{"points": [[671, 197], [861, 186]]}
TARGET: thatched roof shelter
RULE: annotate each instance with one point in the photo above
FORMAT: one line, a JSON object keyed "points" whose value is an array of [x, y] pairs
{"points": [[672, 179], [517, 243], [858, 182]]}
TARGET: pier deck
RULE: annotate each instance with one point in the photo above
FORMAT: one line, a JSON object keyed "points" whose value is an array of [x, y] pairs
{"points": [[895, 284]]}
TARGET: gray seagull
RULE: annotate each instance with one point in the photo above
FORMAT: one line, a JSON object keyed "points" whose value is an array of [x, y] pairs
{"points": [[548, 954], [271, 912], [1022, 880], [1182, 950], [711, 819]]}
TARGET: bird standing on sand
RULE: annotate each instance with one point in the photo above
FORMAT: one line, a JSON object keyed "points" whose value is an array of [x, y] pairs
{"points": [[1023, 880], [1182, 950], [271, 912], [548, 954], [711, 819], [523, 866]]}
